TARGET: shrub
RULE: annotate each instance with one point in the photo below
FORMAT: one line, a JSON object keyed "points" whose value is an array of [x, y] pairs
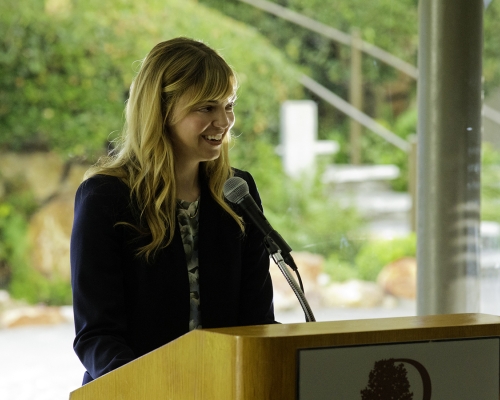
{"points": [[24, 282], [308, 219], [375, 254], [65, 71], [339, 270]]}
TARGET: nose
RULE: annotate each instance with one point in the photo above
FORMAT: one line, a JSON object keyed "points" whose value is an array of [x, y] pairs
{"points": [[223, 119]]}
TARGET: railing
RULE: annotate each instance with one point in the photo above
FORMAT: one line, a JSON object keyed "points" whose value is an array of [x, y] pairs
{"points": [[357, 45], [354, 113], [335, 35]]}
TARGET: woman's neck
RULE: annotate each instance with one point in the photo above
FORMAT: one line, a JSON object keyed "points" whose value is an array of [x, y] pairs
{"points": [[187, 185]]}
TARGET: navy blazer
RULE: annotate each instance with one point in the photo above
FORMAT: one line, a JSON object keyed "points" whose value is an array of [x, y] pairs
{"points": [[125, 307]]}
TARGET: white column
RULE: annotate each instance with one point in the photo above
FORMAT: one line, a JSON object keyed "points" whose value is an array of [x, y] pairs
{"points": [[299, 127]]}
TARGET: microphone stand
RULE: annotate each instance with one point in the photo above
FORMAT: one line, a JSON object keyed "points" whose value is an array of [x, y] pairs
{"points": [[275, 253]]}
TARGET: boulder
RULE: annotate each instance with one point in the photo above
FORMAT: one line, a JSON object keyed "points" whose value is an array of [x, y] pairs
{"points": [[50, 227], [41, 172], [31, 315], [15, 313], [353, 293], [399, 278], [49, 234]]}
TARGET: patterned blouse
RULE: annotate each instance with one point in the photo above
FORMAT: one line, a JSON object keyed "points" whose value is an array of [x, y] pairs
{"points": [[187, 217]]}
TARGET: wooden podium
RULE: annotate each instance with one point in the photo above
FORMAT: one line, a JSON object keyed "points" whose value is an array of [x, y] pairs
{"points": [[261, 362]]}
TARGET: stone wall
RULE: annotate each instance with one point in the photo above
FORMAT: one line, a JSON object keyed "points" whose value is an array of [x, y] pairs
{"points": [[53, 184]]}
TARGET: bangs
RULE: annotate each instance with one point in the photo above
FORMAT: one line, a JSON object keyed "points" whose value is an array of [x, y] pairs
{"points": [[214, 81], [208, 79]]}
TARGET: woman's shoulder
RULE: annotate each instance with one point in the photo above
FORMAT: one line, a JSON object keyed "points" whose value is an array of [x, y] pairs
{"points": [[103, 185], [243, 174], [246, 176]]}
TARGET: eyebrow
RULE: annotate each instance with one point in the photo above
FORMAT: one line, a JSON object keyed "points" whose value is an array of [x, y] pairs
{"points": [[231, 100]]}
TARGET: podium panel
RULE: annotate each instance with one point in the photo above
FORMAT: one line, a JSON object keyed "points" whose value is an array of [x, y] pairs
{"points": [[458, 369], [262, 362]]}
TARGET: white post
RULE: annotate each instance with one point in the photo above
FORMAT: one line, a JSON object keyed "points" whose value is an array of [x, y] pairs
{"points": [[299, 131]]}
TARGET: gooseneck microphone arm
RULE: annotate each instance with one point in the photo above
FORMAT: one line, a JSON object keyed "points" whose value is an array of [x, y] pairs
{"points": [[236, 192], [275, 253]]}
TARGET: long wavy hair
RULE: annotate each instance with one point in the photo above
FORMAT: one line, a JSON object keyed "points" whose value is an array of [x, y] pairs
{"points": [[143, 157]]}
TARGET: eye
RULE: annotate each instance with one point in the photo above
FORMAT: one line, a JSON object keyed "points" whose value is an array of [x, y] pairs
{"points": [[205, 109], [230, 106]]}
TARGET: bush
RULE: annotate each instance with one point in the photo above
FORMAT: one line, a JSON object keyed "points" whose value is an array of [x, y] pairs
{"points": [[301, 211], [374, 255], [65, 71], [23, 282], [490, 183], [339, 270]]}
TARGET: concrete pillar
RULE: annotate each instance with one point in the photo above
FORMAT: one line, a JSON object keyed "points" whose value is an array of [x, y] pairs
{"points": [[449, 147]]}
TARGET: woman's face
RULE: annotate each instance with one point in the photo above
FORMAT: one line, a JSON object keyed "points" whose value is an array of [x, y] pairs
{"points": [[199, 134]]}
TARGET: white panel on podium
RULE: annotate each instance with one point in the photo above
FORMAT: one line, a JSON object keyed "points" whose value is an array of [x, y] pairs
{"points": [[456, 369]]}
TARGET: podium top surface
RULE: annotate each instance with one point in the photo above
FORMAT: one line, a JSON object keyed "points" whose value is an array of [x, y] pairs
{"points": [[361, 325], [226, 363]]}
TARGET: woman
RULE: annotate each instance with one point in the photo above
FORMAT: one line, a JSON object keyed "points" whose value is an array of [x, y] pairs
{"points": [[155, 250]]}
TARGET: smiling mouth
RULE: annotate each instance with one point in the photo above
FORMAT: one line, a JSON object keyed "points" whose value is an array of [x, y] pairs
{"points": [[213, 138]]}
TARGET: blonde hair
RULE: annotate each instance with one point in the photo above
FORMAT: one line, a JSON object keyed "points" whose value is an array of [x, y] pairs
{"points": [[144, 156]]}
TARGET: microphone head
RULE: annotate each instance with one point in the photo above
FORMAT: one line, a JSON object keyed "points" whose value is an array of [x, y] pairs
{"points": [[235, 189]]}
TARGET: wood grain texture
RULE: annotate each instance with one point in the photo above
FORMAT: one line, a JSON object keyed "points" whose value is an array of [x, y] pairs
{"points": [[259, 362]]}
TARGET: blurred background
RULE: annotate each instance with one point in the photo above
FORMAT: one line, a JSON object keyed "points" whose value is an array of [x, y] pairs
{"points": [[326, 123]]}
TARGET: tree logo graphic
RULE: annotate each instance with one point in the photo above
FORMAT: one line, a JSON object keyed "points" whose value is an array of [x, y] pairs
{"points": [[388, 380]]}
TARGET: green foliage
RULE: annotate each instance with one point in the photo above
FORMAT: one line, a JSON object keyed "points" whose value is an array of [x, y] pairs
{"points": [[339, 270], [303, 213], [24, 282], [65, 72], [375, 254], [380, 151], [389, 24], [300, 210], [33, 287], [55, 80], [12, 236], [491, 47], [490, 184], [16, 206]]}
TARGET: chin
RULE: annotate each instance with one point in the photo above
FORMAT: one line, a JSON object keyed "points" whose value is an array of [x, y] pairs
{"points": [[212, 158]]}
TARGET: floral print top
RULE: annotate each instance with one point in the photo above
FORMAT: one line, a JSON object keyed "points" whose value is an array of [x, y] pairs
{"points": [[187, 217]]}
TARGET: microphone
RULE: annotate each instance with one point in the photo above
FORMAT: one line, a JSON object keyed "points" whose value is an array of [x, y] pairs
{"points": [[236, 192]]}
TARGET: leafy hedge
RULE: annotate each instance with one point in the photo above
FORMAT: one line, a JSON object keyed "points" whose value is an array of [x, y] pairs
{"points": [[65, 68]]}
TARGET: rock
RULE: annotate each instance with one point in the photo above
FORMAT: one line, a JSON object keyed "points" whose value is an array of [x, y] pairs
{"points": [[73, 179], [14, 313], [309, 265], [399, 278], [353, 293], [49, 233], [50, 227], [31, 315], [40, 171]]}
